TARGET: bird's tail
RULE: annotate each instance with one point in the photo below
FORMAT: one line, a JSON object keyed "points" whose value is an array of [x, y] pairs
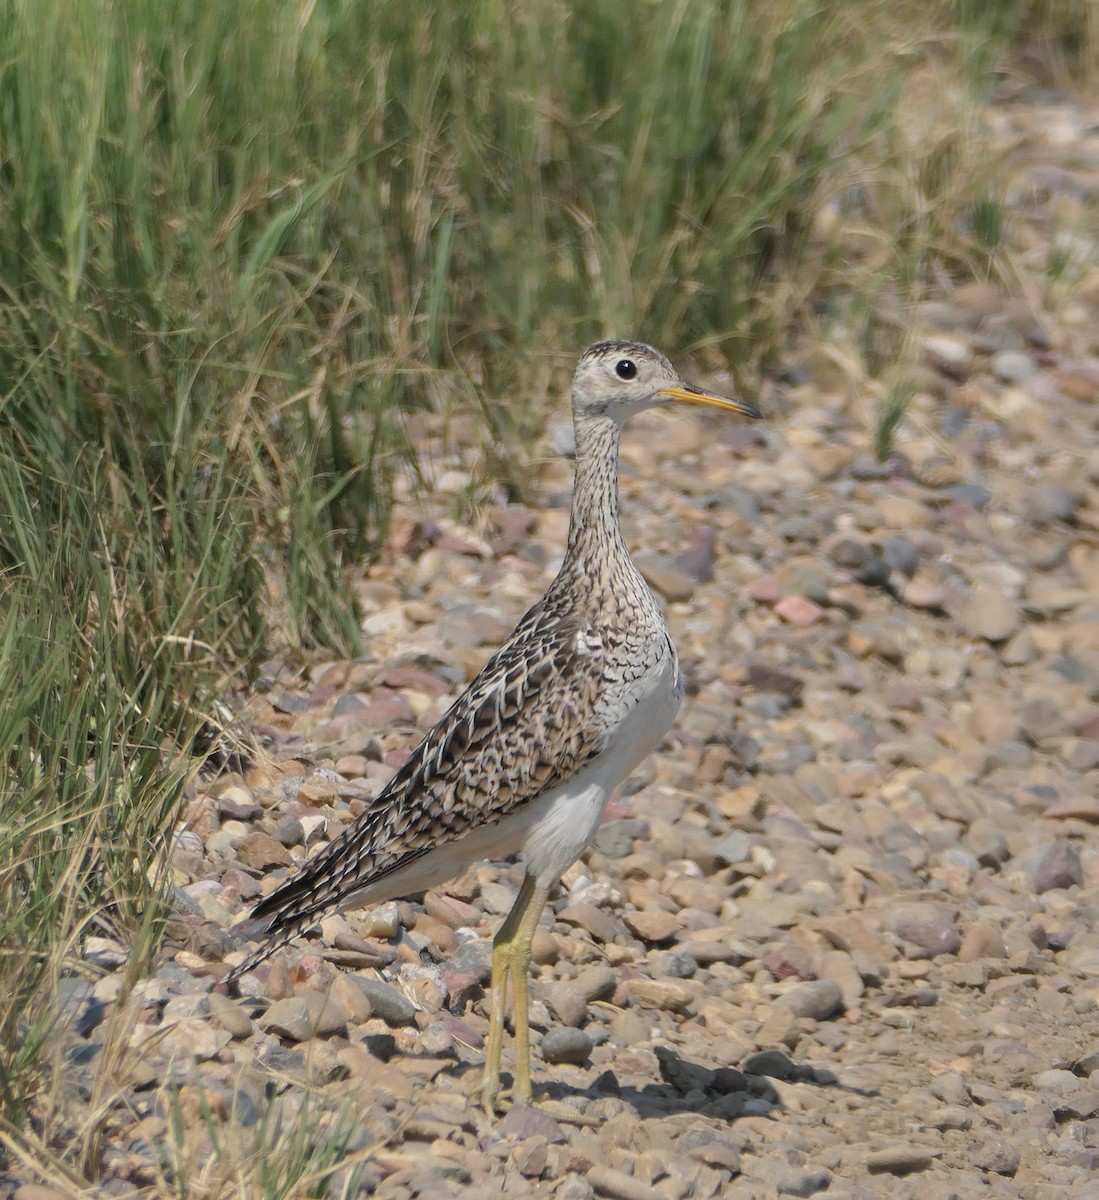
{"points": [[272, 945]]}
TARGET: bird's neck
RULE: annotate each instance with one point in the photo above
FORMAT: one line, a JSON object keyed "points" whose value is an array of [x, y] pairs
{"points": [[594, 533]]}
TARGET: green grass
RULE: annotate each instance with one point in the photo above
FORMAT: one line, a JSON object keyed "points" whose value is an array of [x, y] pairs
{"points": [[239, 242]]}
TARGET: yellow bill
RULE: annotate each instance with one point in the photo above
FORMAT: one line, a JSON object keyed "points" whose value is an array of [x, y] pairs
{"points": [[687, 393]]}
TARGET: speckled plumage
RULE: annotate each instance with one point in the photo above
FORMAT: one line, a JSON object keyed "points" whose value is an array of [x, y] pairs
{"points": [[526, 758]]}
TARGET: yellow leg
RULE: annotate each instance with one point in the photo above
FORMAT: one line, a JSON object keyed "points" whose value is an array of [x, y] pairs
{"points": [[522, 1092], [511, 962]]}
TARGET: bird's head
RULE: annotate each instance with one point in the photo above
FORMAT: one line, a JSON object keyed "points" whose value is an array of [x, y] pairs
{"points": [[617, 379]]}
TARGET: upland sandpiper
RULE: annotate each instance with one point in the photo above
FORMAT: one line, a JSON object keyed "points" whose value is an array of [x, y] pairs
{"points": [[527, 757]]}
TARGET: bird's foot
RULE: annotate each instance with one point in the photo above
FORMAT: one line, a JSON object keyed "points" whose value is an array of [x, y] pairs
{"points": [[560, 1111], [496, 1102]]}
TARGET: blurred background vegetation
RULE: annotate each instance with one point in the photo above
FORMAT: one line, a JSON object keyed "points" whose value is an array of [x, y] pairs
{"points": [[240, 242]]}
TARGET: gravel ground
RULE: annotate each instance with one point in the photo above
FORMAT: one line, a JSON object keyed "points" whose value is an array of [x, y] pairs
{"points": [[838, 936]]}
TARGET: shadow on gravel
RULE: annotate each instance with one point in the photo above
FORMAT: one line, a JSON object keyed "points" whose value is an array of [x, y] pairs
{"points": [[688, 1087]]}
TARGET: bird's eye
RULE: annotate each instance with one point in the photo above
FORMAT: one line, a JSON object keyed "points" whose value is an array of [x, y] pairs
{"points": [[625, 368]]}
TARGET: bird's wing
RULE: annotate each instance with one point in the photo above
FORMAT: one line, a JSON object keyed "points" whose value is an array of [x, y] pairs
{"points": [[527, 722]]}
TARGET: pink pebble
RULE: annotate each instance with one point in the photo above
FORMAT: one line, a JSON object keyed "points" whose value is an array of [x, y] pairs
{"points": [[799, 611]]}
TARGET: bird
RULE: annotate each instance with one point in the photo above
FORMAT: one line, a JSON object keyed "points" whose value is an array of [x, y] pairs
{"points": [[525, 760]]}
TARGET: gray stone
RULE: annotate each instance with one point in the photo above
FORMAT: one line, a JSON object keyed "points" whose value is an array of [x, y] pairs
{"points": [[1047, 503], [1059, 867], [769, 1062], [474, 956], [994, 1154], [817, 998], [797, 529], [698, 560], [735, 847], [615, 838], [564, 1044], [976, 495], [498, 898], [290, 831], [1057, 1082], [567, 1001], [901, 555], [596, 982], [571, 1186], [1084, 755], [849, 553], [386, 1002], [288, 1019], [1012, 366], [1079, 1106], [789, 1180], [901, 1159], [1043, 719], [875, 572]]}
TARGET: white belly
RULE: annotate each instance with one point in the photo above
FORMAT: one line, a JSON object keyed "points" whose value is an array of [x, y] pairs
{"points": [[553, 831]]}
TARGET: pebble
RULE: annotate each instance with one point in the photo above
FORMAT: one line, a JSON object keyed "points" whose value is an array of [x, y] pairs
{"points": [[262, 852], [850, 554], [949, 1087], [230, 1015], [386, 1002], [952, 355], [1084, 755], [1044, 719], [523, 1121], [567, 1002], [596, 982], [981, 940], [328, 1017], [529, 1158], [789, 1180], [1046, 503], [288, 1018], [617, 1185], [104, 952], [901, 555], [1012, 366], [1059, 867], [818, 999], [660, 993], [919, 593], [951, 1116], [665, 577], [974, 495], [597, 921], [652, 925], [797, 610], [995, 1154], [927, 927], [563, 1044], [989, 614], [573, 1187], [806, 580], [901, 1159], [629, 1028]]}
